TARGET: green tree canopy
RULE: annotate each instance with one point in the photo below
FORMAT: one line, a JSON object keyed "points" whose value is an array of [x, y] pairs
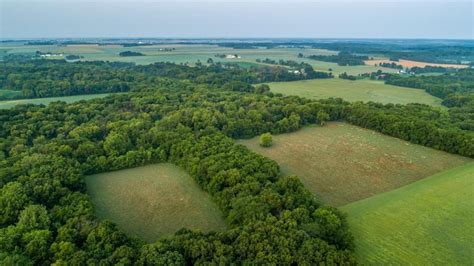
{"points": [[266, 140]]}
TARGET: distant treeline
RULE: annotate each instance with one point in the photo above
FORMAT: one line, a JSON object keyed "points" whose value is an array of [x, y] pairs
{"points": [[130, 53], [432, 69], [40, 43], [391, 65], [342, 59], [242, 45], [73, 57]]}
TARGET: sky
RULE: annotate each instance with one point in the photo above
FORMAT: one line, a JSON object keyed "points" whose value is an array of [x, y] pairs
{"points": [[419, 19]]}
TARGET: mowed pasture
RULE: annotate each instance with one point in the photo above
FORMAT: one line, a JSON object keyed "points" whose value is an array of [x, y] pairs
{"points": [[341, 163], [68, 99], [429, 222], [411, 63], [358, 90], [153, 201]]}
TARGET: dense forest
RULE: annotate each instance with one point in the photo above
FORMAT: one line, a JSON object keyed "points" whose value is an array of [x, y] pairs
{"points": [[47, 78], [342, 59], [46, 216], [432, 69], [189, 117]]}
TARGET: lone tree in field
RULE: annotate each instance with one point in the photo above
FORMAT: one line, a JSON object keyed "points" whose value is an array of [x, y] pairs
{"points": [[322, 117], [266, 140]]}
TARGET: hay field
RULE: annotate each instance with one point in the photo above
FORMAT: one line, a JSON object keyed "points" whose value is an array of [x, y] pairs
{"points": [[358, 90], [341, 163], [153, 201], [429, 222]]}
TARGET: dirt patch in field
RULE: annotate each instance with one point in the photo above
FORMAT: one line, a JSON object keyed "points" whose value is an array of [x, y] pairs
{"points": [[410, 63]]}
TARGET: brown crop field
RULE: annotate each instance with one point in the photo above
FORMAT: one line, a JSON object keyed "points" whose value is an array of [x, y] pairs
{"points": [[410, 63], [341, 163]]}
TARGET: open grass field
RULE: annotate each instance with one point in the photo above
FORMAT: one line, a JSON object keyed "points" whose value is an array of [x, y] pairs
{"points": [[358, 90], [429, 222], [410, 63], [153, 201], [45, 101], [341, 163]]}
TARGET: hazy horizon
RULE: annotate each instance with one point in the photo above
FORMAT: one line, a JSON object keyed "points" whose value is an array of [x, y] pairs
{"points": [[187, 19]]}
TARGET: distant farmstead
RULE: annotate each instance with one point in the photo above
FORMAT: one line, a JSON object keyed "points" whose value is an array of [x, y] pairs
{"points": [[296, 72], [48, 54], [232, 56]]}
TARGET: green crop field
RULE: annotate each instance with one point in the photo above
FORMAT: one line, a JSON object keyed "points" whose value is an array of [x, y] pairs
{"points": [[359, 90], [341, 163], [429, 222], [45, 101], [153, 201]]}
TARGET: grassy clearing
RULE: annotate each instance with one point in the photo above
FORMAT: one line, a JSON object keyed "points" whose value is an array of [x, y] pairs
{"points": [[359, 90], [341, 163], [45, 101], [153, 201], [429, 222]]}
